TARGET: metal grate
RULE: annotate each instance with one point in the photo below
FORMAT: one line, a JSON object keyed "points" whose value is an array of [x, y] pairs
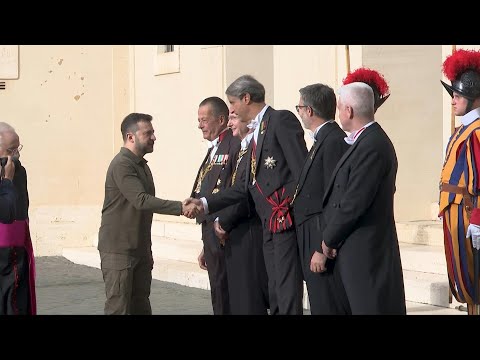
{"points": [[2, 85]]}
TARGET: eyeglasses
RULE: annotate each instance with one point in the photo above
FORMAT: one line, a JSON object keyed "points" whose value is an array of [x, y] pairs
{"points": [[15, 150], [300, 106]]}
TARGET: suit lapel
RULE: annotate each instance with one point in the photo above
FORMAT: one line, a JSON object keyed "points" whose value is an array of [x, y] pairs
{"points": [[369, 130], [216, 169], [261, 136], [248, 170], [192, 194], [322, 135]]}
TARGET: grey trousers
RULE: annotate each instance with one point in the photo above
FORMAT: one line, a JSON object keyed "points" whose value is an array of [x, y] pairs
{"points": [[128, 280]]}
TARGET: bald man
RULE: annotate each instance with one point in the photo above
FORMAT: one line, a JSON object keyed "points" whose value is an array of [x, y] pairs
{"points": [[7, 192], [17, 268]]}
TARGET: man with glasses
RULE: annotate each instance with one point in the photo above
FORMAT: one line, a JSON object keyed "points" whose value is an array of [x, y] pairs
{"points": [[317, 107], [17, 267]]}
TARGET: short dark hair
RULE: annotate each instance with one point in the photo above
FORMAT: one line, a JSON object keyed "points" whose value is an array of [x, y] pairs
{"points": [[130, 123], [219, 107], [321, 98]]}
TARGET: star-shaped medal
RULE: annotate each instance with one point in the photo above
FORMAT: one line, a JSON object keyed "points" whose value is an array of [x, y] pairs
{"points": [[270, 162]]}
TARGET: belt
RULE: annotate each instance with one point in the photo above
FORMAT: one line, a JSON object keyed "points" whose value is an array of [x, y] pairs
{"points": [[454, 189], [467, 197]]}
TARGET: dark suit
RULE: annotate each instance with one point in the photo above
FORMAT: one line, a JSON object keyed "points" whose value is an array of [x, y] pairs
{"points": [[246, 272], [280, 138], [7, 201], [359, 218], [317, 169], [216, 179], [17, 265]]}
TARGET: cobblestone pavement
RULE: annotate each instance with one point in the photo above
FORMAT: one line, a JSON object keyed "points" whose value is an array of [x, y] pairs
{"points": [[65, 288]]}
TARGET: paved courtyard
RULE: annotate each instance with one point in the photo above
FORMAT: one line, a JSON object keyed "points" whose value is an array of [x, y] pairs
{"points": [[65, 288]]}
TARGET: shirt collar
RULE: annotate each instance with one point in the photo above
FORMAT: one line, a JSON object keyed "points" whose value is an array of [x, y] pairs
{"points": [[259, 119], [350, 140], [259, 116], [315, 133], [470, 117], [128, 153], [218, 139]]}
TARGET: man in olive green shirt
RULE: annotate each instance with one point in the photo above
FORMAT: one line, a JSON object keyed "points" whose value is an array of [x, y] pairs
{"points": [[124, 239]]}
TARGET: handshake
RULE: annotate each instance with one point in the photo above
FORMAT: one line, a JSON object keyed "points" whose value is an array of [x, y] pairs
{"points": [[192, 207]]}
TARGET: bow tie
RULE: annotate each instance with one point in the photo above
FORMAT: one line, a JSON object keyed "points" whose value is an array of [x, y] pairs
{"points": [[253, 124]]}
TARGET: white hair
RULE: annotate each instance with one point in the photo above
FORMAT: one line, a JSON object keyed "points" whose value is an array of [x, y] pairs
{"points": [[5, 128], [359, 96]]}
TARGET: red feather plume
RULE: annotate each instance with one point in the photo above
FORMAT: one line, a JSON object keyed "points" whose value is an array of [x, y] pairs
{"points": [[459, 62], [370, 77]]}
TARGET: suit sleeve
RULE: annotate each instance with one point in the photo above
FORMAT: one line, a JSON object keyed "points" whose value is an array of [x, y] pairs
{"points": [[130, 185], [231, 216], [364, 180], [335, 147], [229, 196], [7, 201], [290, 134]]}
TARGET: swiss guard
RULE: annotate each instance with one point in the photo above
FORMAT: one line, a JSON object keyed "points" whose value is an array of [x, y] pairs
{"points": [[460, 179]]}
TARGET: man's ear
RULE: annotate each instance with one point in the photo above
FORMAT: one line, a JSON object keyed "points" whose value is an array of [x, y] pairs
{"points": [[350, 111], [223, 120], [246, 99]]}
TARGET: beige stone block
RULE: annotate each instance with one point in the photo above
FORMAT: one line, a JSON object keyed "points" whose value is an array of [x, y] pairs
{"points": [[423, 258], [426, 288], [183, 231], [53, 228], [420, 232]]}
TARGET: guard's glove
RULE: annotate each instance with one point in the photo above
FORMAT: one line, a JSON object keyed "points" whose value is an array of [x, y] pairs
{"points": [[473, 232]]}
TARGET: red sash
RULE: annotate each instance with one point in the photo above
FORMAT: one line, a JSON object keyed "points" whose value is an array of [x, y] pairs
{"points": [[280, 219]]}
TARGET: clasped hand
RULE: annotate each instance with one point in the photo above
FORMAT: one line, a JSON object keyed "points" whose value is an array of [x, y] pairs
{"points": [[328, 252], [221, 234], [192, 207]]}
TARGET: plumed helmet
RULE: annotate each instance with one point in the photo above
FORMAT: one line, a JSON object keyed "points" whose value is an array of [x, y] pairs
{"points": [[462, 68], [372, 78]]}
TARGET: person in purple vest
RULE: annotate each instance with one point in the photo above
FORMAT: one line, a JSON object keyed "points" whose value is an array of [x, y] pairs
{"points": [[17, 267]]}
